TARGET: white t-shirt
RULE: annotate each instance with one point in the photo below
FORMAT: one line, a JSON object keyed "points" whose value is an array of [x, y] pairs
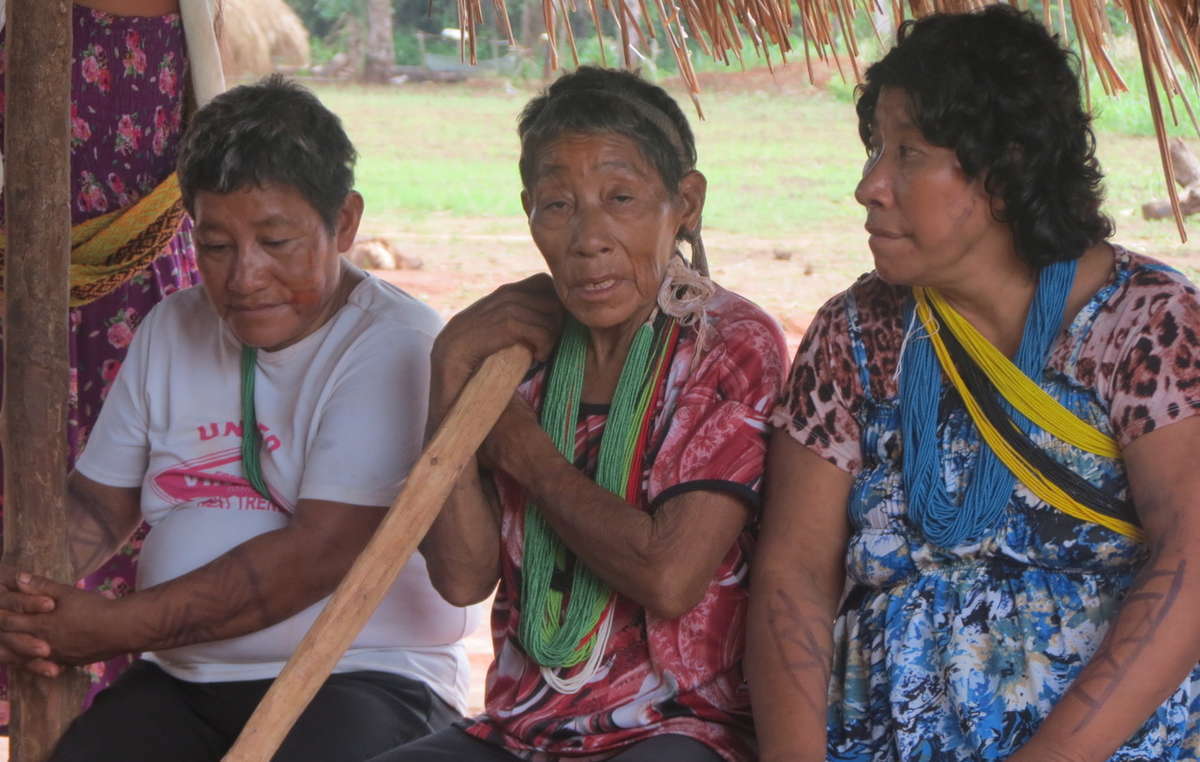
{"points": [[342, 414]]}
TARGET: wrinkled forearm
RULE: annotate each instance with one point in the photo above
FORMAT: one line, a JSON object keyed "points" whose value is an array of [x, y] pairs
{"points": [[645, 557], [462, 546], [610, 536]]}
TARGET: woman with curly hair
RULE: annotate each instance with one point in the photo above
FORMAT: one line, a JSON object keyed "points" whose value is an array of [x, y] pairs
{"points": [[991, 437]]}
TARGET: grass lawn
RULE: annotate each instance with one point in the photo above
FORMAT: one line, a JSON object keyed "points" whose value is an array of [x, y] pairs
{"points": [[438, 170]]}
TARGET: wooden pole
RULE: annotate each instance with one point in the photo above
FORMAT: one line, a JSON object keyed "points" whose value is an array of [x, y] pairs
{"points": [[36, 365], [364, 586]]}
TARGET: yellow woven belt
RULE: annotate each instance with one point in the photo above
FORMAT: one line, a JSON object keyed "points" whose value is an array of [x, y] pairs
{"points": [[108, 250]]}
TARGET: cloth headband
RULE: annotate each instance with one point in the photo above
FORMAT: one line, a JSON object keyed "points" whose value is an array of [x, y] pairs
{"points": [[659, 119]]}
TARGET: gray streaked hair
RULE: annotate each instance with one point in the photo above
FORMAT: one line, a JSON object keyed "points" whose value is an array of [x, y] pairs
{"points": [[271, 132]]}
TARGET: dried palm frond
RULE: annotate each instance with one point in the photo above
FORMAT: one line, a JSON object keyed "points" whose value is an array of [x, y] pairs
{"points": [[1168, 37]]}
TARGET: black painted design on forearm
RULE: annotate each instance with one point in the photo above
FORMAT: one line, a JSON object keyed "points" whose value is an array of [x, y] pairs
{"points": [[1142, 614], [221, 600], [804, 643]]}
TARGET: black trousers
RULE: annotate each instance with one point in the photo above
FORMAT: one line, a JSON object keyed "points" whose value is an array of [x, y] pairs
{"points": [[149, 716], [454, 745]]}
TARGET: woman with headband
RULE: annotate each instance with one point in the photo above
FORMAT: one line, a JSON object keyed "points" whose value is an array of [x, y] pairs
{"points": [[619, 489]]}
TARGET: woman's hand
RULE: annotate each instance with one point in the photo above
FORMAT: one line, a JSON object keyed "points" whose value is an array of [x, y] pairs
{"points": [[462, 547], [58, 622], [39, 617], [526, 312], [514, 428], [17, 647]]}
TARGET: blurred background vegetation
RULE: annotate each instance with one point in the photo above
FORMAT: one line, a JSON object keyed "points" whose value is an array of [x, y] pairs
{"points": [[438, 148], [383, 40]]}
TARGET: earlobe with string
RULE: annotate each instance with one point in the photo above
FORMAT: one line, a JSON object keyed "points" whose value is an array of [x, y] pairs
{"points": [[699, 261], [684, 295]]}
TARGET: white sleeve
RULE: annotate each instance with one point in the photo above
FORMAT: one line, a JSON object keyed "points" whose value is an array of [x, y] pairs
{"points": [[118, 449], [372, 425]]}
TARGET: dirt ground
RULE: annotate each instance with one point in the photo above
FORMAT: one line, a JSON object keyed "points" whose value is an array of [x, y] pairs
{"points": [[786, 278]]}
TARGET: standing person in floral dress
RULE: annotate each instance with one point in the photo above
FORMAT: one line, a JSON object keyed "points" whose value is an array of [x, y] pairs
{"points": [[130, 93]]}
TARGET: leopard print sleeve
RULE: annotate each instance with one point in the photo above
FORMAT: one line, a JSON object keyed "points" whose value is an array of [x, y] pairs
{"points": [[1145, 351], [816, 408]]}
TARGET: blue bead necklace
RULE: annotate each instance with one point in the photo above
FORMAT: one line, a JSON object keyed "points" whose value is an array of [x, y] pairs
{"points": [[991, 484]]}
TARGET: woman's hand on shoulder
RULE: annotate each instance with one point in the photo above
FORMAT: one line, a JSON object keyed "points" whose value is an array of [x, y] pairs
{"points": [[525, 312]]}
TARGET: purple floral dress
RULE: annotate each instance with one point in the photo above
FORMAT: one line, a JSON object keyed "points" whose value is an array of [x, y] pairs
{"points": [[128, 84]]}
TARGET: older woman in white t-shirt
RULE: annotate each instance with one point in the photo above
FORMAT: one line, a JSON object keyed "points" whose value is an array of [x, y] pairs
{"points": [[248, 427]]}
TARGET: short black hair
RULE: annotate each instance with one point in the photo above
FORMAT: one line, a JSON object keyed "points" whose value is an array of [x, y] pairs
{"points": [[273, 131], [593, 99], [997, 88]]}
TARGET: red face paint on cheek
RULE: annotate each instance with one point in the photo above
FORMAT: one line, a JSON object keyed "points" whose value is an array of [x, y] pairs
{"points": [[306, 298]]}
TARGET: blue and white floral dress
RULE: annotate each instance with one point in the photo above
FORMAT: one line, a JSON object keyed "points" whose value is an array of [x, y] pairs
{"points": [[948, 654]]}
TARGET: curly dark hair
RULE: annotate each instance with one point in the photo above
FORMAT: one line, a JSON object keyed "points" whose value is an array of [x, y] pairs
{"points": [[592, 99], [1000, 91], [273, 131]]}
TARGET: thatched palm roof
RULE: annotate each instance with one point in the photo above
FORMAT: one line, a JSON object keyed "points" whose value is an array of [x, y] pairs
{"points": [[256, 36], [1168, 36]]}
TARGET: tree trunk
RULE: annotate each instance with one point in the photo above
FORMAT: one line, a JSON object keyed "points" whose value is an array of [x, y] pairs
{"points": [[36, 366], [531, 13], [381, 47]]}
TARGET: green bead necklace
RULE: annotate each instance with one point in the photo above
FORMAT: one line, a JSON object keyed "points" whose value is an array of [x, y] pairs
{"points": [[550, 637], [251, 436]]}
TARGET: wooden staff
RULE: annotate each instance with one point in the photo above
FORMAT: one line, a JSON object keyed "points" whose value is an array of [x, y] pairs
{"points": [[36, 364], [364, 586]]}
